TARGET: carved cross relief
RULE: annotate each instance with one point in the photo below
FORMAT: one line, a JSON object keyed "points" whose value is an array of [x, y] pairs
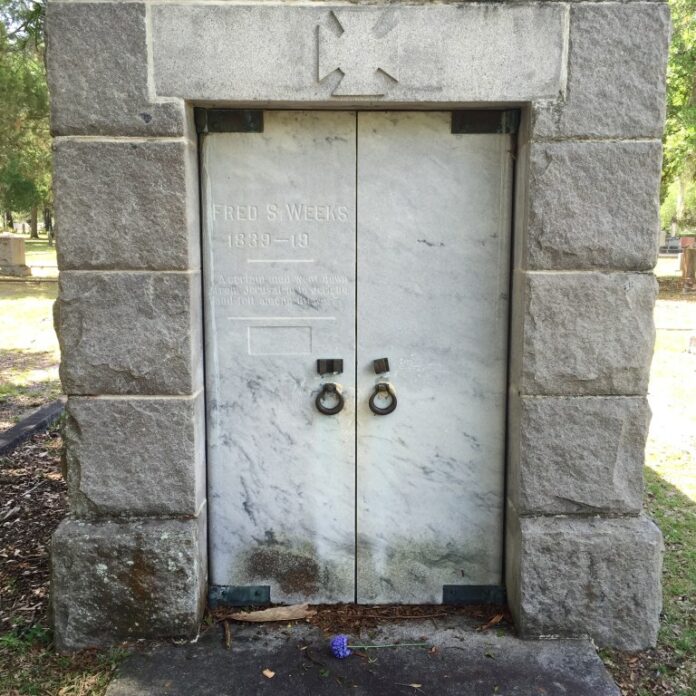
{"points": [[363, 49]]}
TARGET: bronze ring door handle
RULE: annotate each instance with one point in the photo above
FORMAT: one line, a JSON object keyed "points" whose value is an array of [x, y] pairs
{"points": [[334, 391], [382, 388]]}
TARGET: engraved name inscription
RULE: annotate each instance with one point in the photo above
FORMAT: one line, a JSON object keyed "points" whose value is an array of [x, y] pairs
{"points": [[277, 212]]}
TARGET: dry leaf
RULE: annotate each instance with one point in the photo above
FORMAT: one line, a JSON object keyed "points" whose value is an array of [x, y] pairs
{"points": [[269, 674], [291, 613], [493, 622]]}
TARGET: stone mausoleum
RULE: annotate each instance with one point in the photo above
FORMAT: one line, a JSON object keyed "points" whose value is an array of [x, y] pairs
{"points": [[356, 306]]}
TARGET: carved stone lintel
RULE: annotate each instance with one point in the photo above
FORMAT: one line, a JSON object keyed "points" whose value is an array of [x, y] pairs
{"points": [[364, 51]]}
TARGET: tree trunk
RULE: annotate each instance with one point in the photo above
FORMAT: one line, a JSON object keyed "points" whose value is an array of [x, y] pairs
{"points": [[689, 269], [9, 222], [34, 222], [681, 198], [48, 225]]}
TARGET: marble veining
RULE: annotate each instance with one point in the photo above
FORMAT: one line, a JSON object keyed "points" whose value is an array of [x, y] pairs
{"points": [[425, 221], [280, 293], [433, 259]]}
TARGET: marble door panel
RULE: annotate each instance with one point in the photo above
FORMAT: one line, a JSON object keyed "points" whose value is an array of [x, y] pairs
{"points": [[279, 266], [433, 229]]}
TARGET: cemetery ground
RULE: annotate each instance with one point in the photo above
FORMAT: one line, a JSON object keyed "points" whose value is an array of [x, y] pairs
{"points": [[33, 501], [29, 352]]}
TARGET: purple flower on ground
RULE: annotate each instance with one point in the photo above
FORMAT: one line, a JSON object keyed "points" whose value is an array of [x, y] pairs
{"points": [[339, 646]]}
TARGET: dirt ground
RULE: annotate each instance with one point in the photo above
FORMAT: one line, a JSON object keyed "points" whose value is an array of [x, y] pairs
{"points": [[33, 503]]}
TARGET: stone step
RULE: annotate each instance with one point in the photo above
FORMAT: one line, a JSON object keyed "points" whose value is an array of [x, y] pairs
{"points": [[463, 662]]}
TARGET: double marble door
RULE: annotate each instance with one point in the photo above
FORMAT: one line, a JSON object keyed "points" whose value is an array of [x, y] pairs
{"points": [[354, 237]]}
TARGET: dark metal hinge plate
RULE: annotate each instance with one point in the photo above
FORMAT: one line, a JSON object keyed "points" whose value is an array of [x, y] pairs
{"points": [[228, 120], [486, 121], [238, 595], [473, 594]]}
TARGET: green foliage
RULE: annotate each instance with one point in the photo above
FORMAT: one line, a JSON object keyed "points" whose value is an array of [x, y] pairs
{"points": [[680, 131], [25, 146], [682, 212], [22, 638], [18, 191], [24, 22], [29, 665], [668, 209]]}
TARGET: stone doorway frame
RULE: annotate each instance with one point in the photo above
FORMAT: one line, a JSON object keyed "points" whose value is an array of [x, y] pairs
{"points": [[130, 561]]}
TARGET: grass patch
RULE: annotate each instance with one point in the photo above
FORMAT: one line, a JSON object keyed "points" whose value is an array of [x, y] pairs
{"points": [[38, 252], [29, 665], [669, 669], [28, 379], [673, 288], [675, 514], [670, 499]]}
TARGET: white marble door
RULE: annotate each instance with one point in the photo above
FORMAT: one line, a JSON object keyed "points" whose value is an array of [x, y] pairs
{"points": [[433, 266], [378, 508], [279, 265]]}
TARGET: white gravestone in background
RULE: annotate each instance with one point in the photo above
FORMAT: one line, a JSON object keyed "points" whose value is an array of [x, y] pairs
{"points": [[12, 256]]}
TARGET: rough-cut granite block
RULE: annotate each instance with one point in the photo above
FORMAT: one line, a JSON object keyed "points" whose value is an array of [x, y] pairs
{"points": [[616, 73], [586, 333], [578, 454], [128, 205], [135, 456], [97, 72], [129, 333], [589, 576], [113, 581], [593, 205]]}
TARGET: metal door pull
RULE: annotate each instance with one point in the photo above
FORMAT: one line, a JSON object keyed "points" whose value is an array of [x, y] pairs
{"points": [[334, 391], [380, 389]]}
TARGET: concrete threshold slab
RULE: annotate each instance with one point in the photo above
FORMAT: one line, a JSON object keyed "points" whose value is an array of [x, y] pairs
{"points": [[462, 661]]}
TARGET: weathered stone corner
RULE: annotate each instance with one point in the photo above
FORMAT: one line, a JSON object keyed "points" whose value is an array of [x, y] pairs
{"points": [[585, 334], [128, 205], [592, 577], [577, 455], [616, 78], [97, 73], [114, 581], [130, 333], [119, 448], [593, 205]]}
